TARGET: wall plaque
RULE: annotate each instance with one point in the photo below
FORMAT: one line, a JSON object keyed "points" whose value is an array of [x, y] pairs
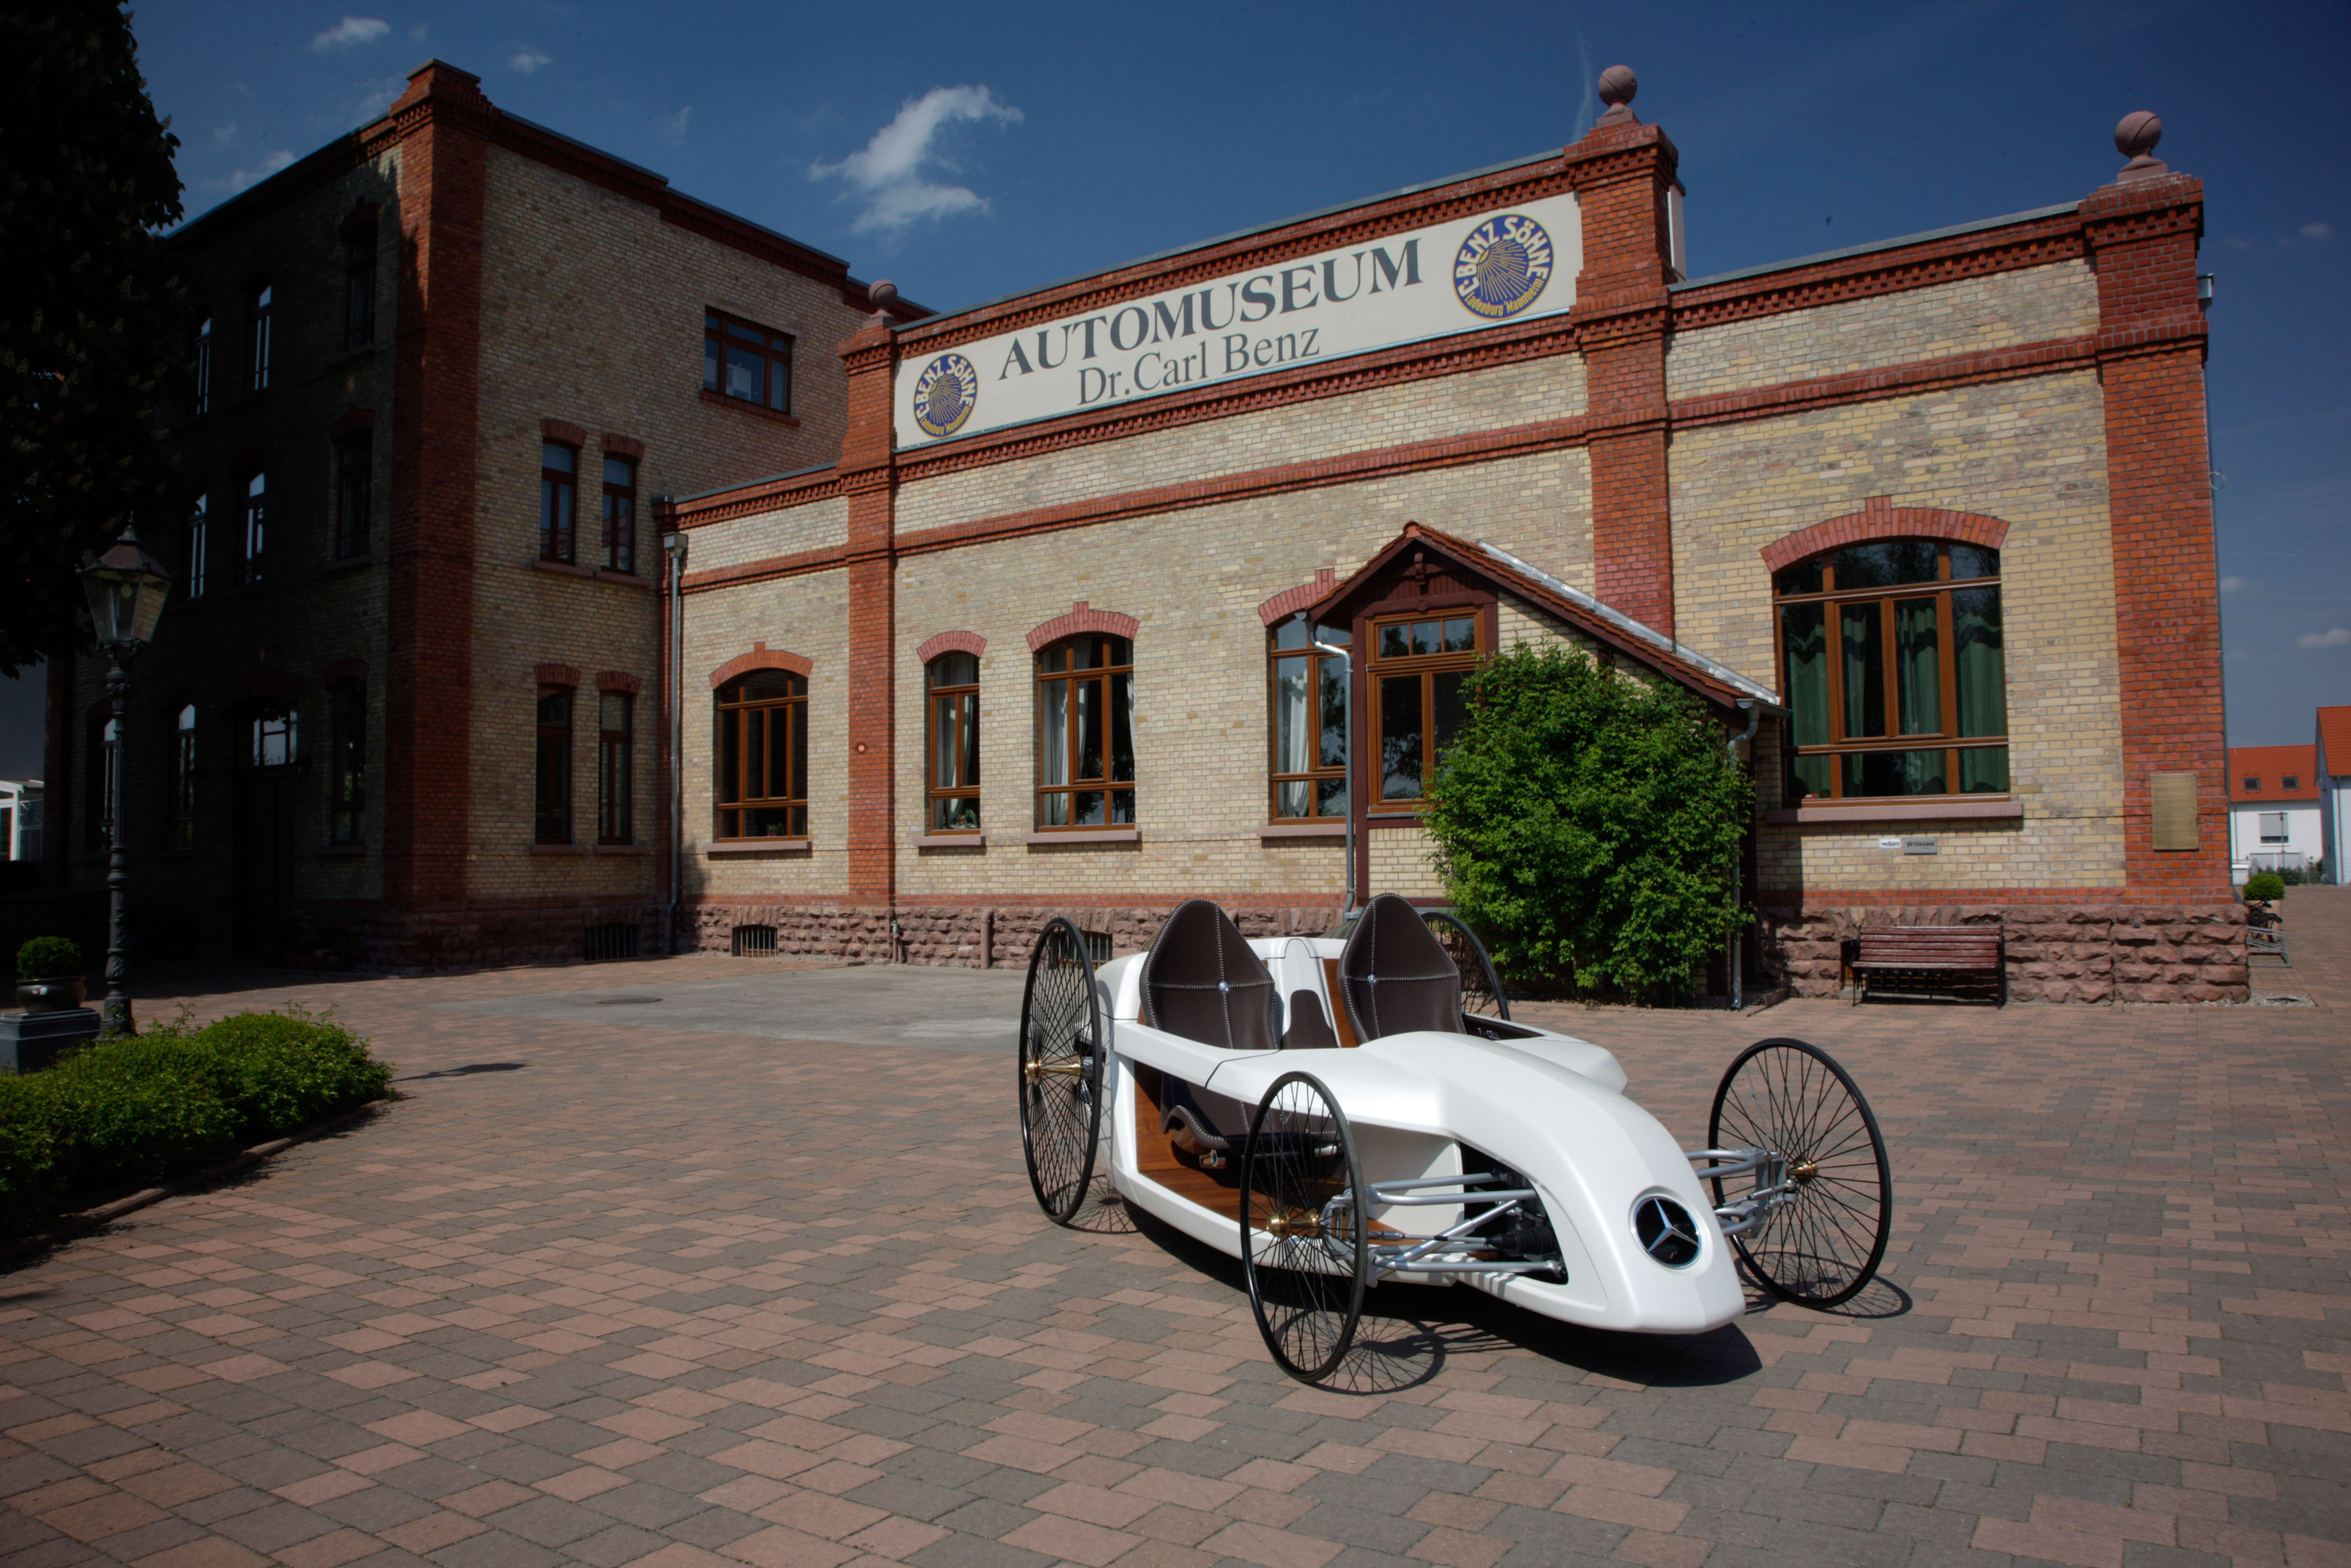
{"points": [[2173, 797]]}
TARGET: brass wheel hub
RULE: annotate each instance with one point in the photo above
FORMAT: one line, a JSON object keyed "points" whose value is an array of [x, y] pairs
{"points": [[1804, 1170], [1037, 1069]]}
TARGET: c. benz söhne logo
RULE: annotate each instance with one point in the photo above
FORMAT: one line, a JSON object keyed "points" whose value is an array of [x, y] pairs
{"points": [[1501, 267], [944, 394]]}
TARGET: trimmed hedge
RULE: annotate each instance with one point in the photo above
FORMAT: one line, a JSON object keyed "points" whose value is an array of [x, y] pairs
{"points": [[123, 1114]]}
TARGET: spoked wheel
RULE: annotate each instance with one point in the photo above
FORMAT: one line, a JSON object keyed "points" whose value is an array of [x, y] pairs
{"points": [[1481, 988], [1789, 1098], [1305, 1246], [1061, 1077]]}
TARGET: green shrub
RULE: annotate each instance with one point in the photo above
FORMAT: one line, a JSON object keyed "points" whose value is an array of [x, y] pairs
{"points": [[1587, 824], [127, 1114], [2264, 885], [48, 958]]}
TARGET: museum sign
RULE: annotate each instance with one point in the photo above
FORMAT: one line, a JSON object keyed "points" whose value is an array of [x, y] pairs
{"points": [[1509, 265]]}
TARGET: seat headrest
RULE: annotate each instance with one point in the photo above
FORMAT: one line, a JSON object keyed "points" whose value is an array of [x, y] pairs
{"points": [[1395, 976], [1201, 981]]}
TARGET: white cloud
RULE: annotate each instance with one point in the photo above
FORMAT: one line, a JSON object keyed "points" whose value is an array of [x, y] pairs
{"points": [[2318, 231], [2235, 584], [239, 178], [2334, 637], [351, 32], [224, 134], [888, 173], [674, 128], [528, 62]]}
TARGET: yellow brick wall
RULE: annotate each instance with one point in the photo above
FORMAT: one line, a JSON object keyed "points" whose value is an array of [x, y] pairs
{"points": [[815, 525], [1523, 393], [2060, 300]]}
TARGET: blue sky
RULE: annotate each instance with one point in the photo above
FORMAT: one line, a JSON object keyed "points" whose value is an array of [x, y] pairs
{"points": [[1045, 141]]}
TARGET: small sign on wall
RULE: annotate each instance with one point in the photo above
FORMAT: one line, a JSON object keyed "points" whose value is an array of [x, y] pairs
{"points": [[1926, 844], [2173, 798]]}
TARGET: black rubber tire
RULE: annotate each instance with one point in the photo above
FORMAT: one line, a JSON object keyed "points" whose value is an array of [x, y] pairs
{"points": [[1791, 1098], [1305, 1288], [1059, 1067], [1481, 986]]}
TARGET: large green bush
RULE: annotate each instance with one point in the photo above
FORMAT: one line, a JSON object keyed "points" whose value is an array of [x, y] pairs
{"points": [[127, 1114], [1587, 823]]}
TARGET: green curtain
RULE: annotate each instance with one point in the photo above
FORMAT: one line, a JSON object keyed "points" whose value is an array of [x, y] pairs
{"points": [[1983, 697], [1918, 673], [1804, 633]]}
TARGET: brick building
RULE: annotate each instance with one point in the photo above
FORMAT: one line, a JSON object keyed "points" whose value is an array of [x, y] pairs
{"points": [[404, 707], [1925, 522]]}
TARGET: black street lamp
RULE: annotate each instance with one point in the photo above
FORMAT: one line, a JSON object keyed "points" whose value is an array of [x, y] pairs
{"points": [[126, 588]]}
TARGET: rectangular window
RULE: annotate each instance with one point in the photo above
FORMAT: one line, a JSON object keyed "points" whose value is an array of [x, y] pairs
{"points": [[1418, 671], [746, 362], [619, 514], [762, 783], [1085, 734], [354, 494], [2273, 826], [359, 290], [180, 831], [1308, 727], [256, 338], [253, 556], [554, 776], [347, 746], [558, 500], [276, 731], [198, 538], [2253, 785], [204, 365], [954, 681], [615, 769], [2290, 781]]}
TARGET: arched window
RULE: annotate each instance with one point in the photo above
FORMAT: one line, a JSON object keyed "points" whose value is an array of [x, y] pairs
{"points": [[953, 747], [1086, 733], [181, 831], [347, 778], [1309, 723], [551, 774], [762, 764], [616, 769], [1891, 665], [253, 558], [257, 312]]}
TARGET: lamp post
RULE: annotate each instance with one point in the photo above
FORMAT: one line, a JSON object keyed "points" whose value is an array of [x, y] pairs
{"points": [[1346, 663], [126, 588], [673, 545]]}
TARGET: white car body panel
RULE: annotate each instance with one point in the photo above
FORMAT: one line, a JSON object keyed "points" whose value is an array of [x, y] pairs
{"points": [[1548, 1105]]}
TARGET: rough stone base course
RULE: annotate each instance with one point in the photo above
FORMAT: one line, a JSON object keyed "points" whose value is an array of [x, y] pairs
{"points": [[2056, 952]]}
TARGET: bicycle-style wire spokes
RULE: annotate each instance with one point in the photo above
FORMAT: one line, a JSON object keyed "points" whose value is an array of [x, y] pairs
{"points": [[1303, 1235], [1823, 1242], [1059, 1070]]}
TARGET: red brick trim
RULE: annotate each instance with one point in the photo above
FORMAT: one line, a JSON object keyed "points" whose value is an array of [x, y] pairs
{"points": [[1082, 617], [627, 446], [555, 674], [564, 431], [761, 657], [970, 642], [1290, 600], [1880, 519], [800, 564], [347, 670], [352, 419], [771, 496], [274, 685], [617, 681], [1969, 898]]}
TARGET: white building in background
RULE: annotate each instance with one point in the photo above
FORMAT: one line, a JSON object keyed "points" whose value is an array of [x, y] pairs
{"points": [[2273, 809], [20, 819], [2332, 766]]}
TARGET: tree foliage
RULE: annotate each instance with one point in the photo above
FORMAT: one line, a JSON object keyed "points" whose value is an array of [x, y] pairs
{"points": [[93, 325], [1587, 823]]}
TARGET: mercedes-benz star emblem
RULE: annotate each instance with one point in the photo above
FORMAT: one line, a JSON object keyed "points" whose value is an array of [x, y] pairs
{"points": [[1666, 1231]]}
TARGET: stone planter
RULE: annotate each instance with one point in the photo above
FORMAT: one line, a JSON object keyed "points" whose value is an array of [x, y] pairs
{"points": [[53, 994]]}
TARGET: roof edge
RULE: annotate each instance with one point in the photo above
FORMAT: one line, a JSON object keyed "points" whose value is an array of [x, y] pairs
{"points": [[1874, 246]]}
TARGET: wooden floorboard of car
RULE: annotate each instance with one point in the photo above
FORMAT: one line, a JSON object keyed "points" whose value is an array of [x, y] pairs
{"points": [[1217, 1191], [1339, 1018]]}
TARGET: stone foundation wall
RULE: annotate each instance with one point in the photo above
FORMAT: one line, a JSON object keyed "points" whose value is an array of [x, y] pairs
{"points": [[2062, 953], [439, 941]]}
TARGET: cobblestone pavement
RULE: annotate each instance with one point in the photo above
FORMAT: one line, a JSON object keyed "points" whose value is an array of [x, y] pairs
{"points": [[597, 1292]]}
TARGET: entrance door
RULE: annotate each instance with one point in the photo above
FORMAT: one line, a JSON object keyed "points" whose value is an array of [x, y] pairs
{"points": [[263, 868]]}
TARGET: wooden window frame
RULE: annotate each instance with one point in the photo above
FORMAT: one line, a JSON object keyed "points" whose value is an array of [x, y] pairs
{"points": [[252, 532], [722, 331], [551, 795], [1428, 666], [347, 762], [939, 797], [199, 541], [1946, 739], [260, 313], [257, 731], [558, 504], [179, 819], [1114, 790], [620, 515], [354, 492], [736, 712], [1318, 775], [616, 766], [205, 366]]}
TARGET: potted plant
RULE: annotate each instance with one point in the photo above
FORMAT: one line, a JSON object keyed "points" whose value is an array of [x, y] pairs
{"points": [[49, 979]]}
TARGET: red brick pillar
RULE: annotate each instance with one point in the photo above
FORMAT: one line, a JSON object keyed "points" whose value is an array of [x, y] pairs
{"points": [[1622, 171], [442, 126], [868, 455], [2142, 233]]}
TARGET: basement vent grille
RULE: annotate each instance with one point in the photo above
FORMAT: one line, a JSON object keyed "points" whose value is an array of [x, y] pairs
{"points": [[612, 942], [754, 941]]}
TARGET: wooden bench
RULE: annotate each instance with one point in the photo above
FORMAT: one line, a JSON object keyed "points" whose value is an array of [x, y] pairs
{"points": [[1954, 957]]}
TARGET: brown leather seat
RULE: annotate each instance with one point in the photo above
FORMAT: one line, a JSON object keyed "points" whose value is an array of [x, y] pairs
{"points": [[1201, 981], [1395, 976]]}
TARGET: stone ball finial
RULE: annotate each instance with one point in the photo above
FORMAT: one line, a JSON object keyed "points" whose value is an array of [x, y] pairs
{"points": [[2137, 134], [1618, 86], [882, 293]]}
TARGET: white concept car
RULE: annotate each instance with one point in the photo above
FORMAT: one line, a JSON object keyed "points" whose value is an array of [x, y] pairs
{"points": [[1337, 1112]]}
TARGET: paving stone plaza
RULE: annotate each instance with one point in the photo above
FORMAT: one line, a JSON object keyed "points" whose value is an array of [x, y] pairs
{"points": [[751, 1274]]}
